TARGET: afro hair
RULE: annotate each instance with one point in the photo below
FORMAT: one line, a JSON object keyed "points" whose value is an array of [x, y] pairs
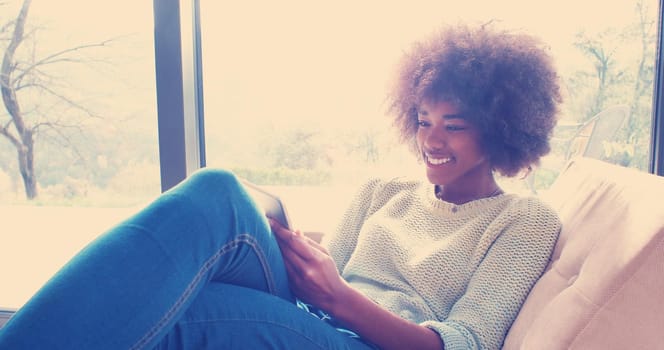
{"points": [[503, 82]]}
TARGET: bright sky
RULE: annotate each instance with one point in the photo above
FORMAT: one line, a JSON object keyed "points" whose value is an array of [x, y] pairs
{"points": [[297, 58], [334, 59]]}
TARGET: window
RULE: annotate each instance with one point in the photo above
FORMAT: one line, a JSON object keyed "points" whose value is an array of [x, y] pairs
{"points": [[84, 82], [293, 100], [294, 89]]}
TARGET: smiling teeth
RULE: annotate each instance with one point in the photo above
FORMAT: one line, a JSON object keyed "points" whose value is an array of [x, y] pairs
{"points": [[438, 161]]}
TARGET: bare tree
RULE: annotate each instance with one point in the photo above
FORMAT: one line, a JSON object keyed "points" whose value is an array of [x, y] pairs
{"points": [[23, 140], [20, 75]]}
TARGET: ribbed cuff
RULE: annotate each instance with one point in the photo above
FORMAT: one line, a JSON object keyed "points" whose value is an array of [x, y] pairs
{"points": [[452, 338]]}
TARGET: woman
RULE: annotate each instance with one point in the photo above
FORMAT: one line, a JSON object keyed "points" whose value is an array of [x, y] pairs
{"points": [[438, 264]]}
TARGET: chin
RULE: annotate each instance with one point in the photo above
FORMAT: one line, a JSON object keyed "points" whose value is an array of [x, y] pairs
{"points": [[436, 180]]}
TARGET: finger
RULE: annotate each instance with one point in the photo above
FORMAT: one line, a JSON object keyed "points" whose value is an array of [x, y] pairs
{"points": [[300, 255], [298, 243], [294, 264], [310, 242], [290, 250], [317, 245], [294, 250], [300, 246], [293, 278], [280, 231], [291, 269], [274, 224], [294, 239], [282, 246]]}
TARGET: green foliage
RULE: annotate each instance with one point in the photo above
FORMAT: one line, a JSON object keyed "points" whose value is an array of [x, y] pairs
{"points": [[620, 70], [281, 176], [131, 184], [544, 178], [296, 149]]}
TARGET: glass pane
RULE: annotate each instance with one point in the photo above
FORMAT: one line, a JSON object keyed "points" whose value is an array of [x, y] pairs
{"points": [[83, 78], [295, 89]]}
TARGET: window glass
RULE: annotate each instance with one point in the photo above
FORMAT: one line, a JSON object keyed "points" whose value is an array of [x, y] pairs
{"points": [[83, 80], [294, 90]]}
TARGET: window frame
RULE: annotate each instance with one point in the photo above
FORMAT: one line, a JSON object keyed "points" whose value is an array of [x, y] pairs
{"points": [[657, 127], [178, 69]]}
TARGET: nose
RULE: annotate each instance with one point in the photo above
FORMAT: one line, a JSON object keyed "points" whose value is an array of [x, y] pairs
{"points": [[434, 139]]}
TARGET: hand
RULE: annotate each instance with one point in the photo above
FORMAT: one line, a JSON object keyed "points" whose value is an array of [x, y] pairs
{"points": [[314, 279], [312, 273]]}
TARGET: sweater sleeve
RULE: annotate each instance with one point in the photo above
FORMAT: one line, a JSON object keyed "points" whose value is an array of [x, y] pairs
{"points": [[502, 280], [343, 241]]}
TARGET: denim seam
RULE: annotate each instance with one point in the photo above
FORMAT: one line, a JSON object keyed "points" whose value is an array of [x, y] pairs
{"points": [[228, 247]]}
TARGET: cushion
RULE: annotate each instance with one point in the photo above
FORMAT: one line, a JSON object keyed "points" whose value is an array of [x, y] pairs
{"points": [[604, 286]]}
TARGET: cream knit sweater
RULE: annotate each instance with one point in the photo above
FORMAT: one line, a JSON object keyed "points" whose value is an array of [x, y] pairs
{"points": [[461, 270]]}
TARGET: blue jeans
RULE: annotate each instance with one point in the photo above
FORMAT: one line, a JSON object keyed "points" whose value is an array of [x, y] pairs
{"points": [[198, 268]]}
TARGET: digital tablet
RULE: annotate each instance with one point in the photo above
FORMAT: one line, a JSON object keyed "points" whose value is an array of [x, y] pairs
{"points": [[269, 202]]}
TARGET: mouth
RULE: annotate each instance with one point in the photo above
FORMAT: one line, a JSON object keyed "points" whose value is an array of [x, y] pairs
{"points": [[437, 160]]}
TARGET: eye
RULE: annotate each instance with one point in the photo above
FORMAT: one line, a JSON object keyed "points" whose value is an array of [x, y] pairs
{"points": [[455, 127], [423, 123]]}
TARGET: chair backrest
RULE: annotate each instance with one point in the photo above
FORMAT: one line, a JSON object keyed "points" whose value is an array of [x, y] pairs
{"points": [[590, 138]]}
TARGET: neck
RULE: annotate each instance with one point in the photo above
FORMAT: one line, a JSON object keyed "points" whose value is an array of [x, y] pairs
{"points": [[447, 195]]}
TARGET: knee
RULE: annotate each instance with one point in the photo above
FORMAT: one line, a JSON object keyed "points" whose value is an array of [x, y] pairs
{"points": [[214, 187], [214, 176], [212, 180]]}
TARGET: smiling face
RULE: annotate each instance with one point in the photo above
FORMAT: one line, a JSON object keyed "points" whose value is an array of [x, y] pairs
{"points": [[451, 150]]}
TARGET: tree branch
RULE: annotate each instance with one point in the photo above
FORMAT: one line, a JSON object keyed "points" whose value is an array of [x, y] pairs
{"points": [[70, 102], [5, 132], [55, 57], [8, 95]]}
